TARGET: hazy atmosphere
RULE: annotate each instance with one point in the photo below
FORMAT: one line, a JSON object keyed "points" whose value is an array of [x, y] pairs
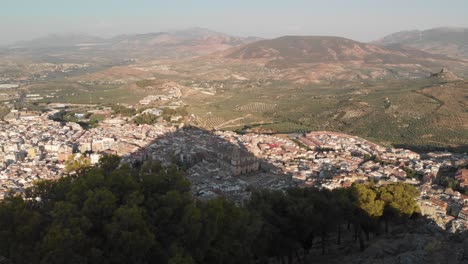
{"points": [[362, 20], [227, 132]]}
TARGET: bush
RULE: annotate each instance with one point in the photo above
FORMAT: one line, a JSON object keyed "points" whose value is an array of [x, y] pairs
{"points": [[145, 118]]}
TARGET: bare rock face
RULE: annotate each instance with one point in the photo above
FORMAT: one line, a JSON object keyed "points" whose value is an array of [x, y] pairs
{"points": [[446, 75], [421, 241], [410, 248]]}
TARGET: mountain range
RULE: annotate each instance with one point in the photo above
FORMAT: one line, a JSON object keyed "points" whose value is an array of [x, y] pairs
{"points": [[409, 54], [445, 40], [294, 50], [174, 44], [314, 58]]}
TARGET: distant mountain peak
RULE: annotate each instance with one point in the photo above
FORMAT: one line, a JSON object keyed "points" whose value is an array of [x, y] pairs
{"points": [[316, 58], [450, 29], [449, 41], [59, 40], [183, 43], [290, 50], [197, 31]]}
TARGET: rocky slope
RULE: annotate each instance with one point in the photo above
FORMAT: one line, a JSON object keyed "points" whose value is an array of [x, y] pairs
{"points": [[445, 75], [419, 242]]}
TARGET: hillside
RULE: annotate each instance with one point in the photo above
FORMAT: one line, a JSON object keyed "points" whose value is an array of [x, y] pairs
{"points": [[445, 75], [447, 41], [422, 112], [317, 49], [315, 58]]}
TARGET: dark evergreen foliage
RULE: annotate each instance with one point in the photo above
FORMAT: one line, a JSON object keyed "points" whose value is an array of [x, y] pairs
{"points": [[117, 214]]}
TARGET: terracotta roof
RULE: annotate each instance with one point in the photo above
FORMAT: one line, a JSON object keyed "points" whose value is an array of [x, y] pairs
{"points": [[462, 176], [438, 202]]}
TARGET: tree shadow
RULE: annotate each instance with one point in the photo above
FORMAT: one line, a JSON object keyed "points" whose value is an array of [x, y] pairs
{"points": [[216, 163], [219, 164], [463, 148], [154, 203]]}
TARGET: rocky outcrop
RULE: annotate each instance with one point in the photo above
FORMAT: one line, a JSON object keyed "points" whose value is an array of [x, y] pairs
{"points": [[419, 242], [446, 75]]}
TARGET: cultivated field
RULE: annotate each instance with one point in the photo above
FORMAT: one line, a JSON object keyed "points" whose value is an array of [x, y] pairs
{"points": [[418, 112]]}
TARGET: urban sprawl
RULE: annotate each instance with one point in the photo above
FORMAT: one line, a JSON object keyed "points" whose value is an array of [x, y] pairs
{"points": [[224, 163]]}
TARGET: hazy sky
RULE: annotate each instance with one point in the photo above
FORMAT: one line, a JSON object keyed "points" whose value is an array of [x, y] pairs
{"points": [[361, 20]]}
